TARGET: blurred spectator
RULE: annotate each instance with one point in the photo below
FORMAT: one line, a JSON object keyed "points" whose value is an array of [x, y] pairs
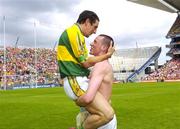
{"points": [[170, 71], [21, 68]]}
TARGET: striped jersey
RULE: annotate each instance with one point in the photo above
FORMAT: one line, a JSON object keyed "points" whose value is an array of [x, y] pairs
{"points": [[71, 52]]}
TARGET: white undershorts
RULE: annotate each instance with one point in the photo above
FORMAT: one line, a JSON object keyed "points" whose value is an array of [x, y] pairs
{"points": [[74, 87], [110, 125]]}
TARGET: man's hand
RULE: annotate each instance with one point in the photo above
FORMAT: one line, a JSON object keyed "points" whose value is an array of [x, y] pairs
{"points": [[83, 101], [111, 50]]}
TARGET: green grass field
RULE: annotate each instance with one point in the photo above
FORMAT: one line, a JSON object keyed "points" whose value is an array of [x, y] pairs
{"points": [[137, 106]]}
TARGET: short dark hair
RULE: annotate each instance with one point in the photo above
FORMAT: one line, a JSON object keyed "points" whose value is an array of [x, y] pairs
{"points": [[86, 14], [107, 40]]}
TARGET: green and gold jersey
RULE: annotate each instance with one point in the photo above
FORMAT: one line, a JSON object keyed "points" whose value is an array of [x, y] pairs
{"points": [[72, 52]]}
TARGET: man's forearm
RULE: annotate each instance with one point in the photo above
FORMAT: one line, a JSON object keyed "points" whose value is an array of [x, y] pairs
{"points": [[96, 59], [91, 61]]}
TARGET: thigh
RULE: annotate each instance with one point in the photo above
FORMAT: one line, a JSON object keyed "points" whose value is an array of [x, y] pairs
{"points": [[100, 105]]}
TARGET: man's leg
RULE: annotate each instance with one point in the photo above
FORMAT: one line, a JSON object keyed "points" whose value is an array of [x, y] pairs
{"points": [[100, 113], [81, 117], [110, 125]]}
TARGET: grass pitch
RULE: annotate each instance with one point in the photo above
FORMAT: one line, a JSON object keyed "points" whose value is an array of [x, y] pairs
{"points": [[137, 106]]}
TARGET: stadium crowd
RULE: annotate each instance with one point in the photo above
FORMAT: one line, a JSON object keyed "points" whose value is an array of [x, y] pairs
{"points": [[169, 71], [21, 69]]}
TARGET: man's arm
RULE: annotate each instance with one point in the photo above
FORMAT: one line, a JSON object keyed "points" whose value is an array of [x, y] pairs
{"points": [[95, 81]]}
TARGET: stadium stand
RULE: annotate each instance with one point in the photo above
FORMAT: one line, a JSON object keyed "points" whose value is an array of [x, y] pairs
{"points": [[171, 69], [21, 68], [23, 72], [129, 64], [172, 6]]}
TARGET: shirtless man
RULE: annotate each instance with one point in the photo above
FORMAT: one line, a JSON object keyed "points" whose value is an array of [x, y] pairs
{"points": [[101, 79]]}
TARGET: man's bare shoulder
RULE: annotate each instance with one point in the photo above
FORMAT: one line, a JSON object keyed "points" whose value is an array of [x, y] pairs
{"points": [[103, 65]]}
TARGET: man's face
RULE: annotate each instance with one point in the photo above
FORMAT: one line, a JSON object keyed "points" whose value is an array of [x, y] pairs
{"points": [[90, 28], [96, 46]]}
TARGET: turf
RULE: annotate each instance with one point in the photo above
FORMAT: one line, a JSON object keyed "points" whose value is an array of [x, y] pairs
{"points": [[137, 106]]}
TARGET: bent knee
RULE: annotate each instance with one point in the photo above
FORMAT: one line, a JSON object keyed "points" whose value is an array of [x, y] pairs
{"points": [[109, 116]]}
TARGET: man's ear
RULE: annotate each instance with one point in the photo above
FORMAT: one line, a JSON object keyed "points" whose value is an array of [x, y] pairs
{"points": [[87, 21], [104, 48]]}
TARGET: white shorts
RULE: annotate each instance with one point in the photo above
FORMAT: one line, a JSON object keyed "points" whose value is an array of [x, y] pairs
{"points": [[74, 87]]}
